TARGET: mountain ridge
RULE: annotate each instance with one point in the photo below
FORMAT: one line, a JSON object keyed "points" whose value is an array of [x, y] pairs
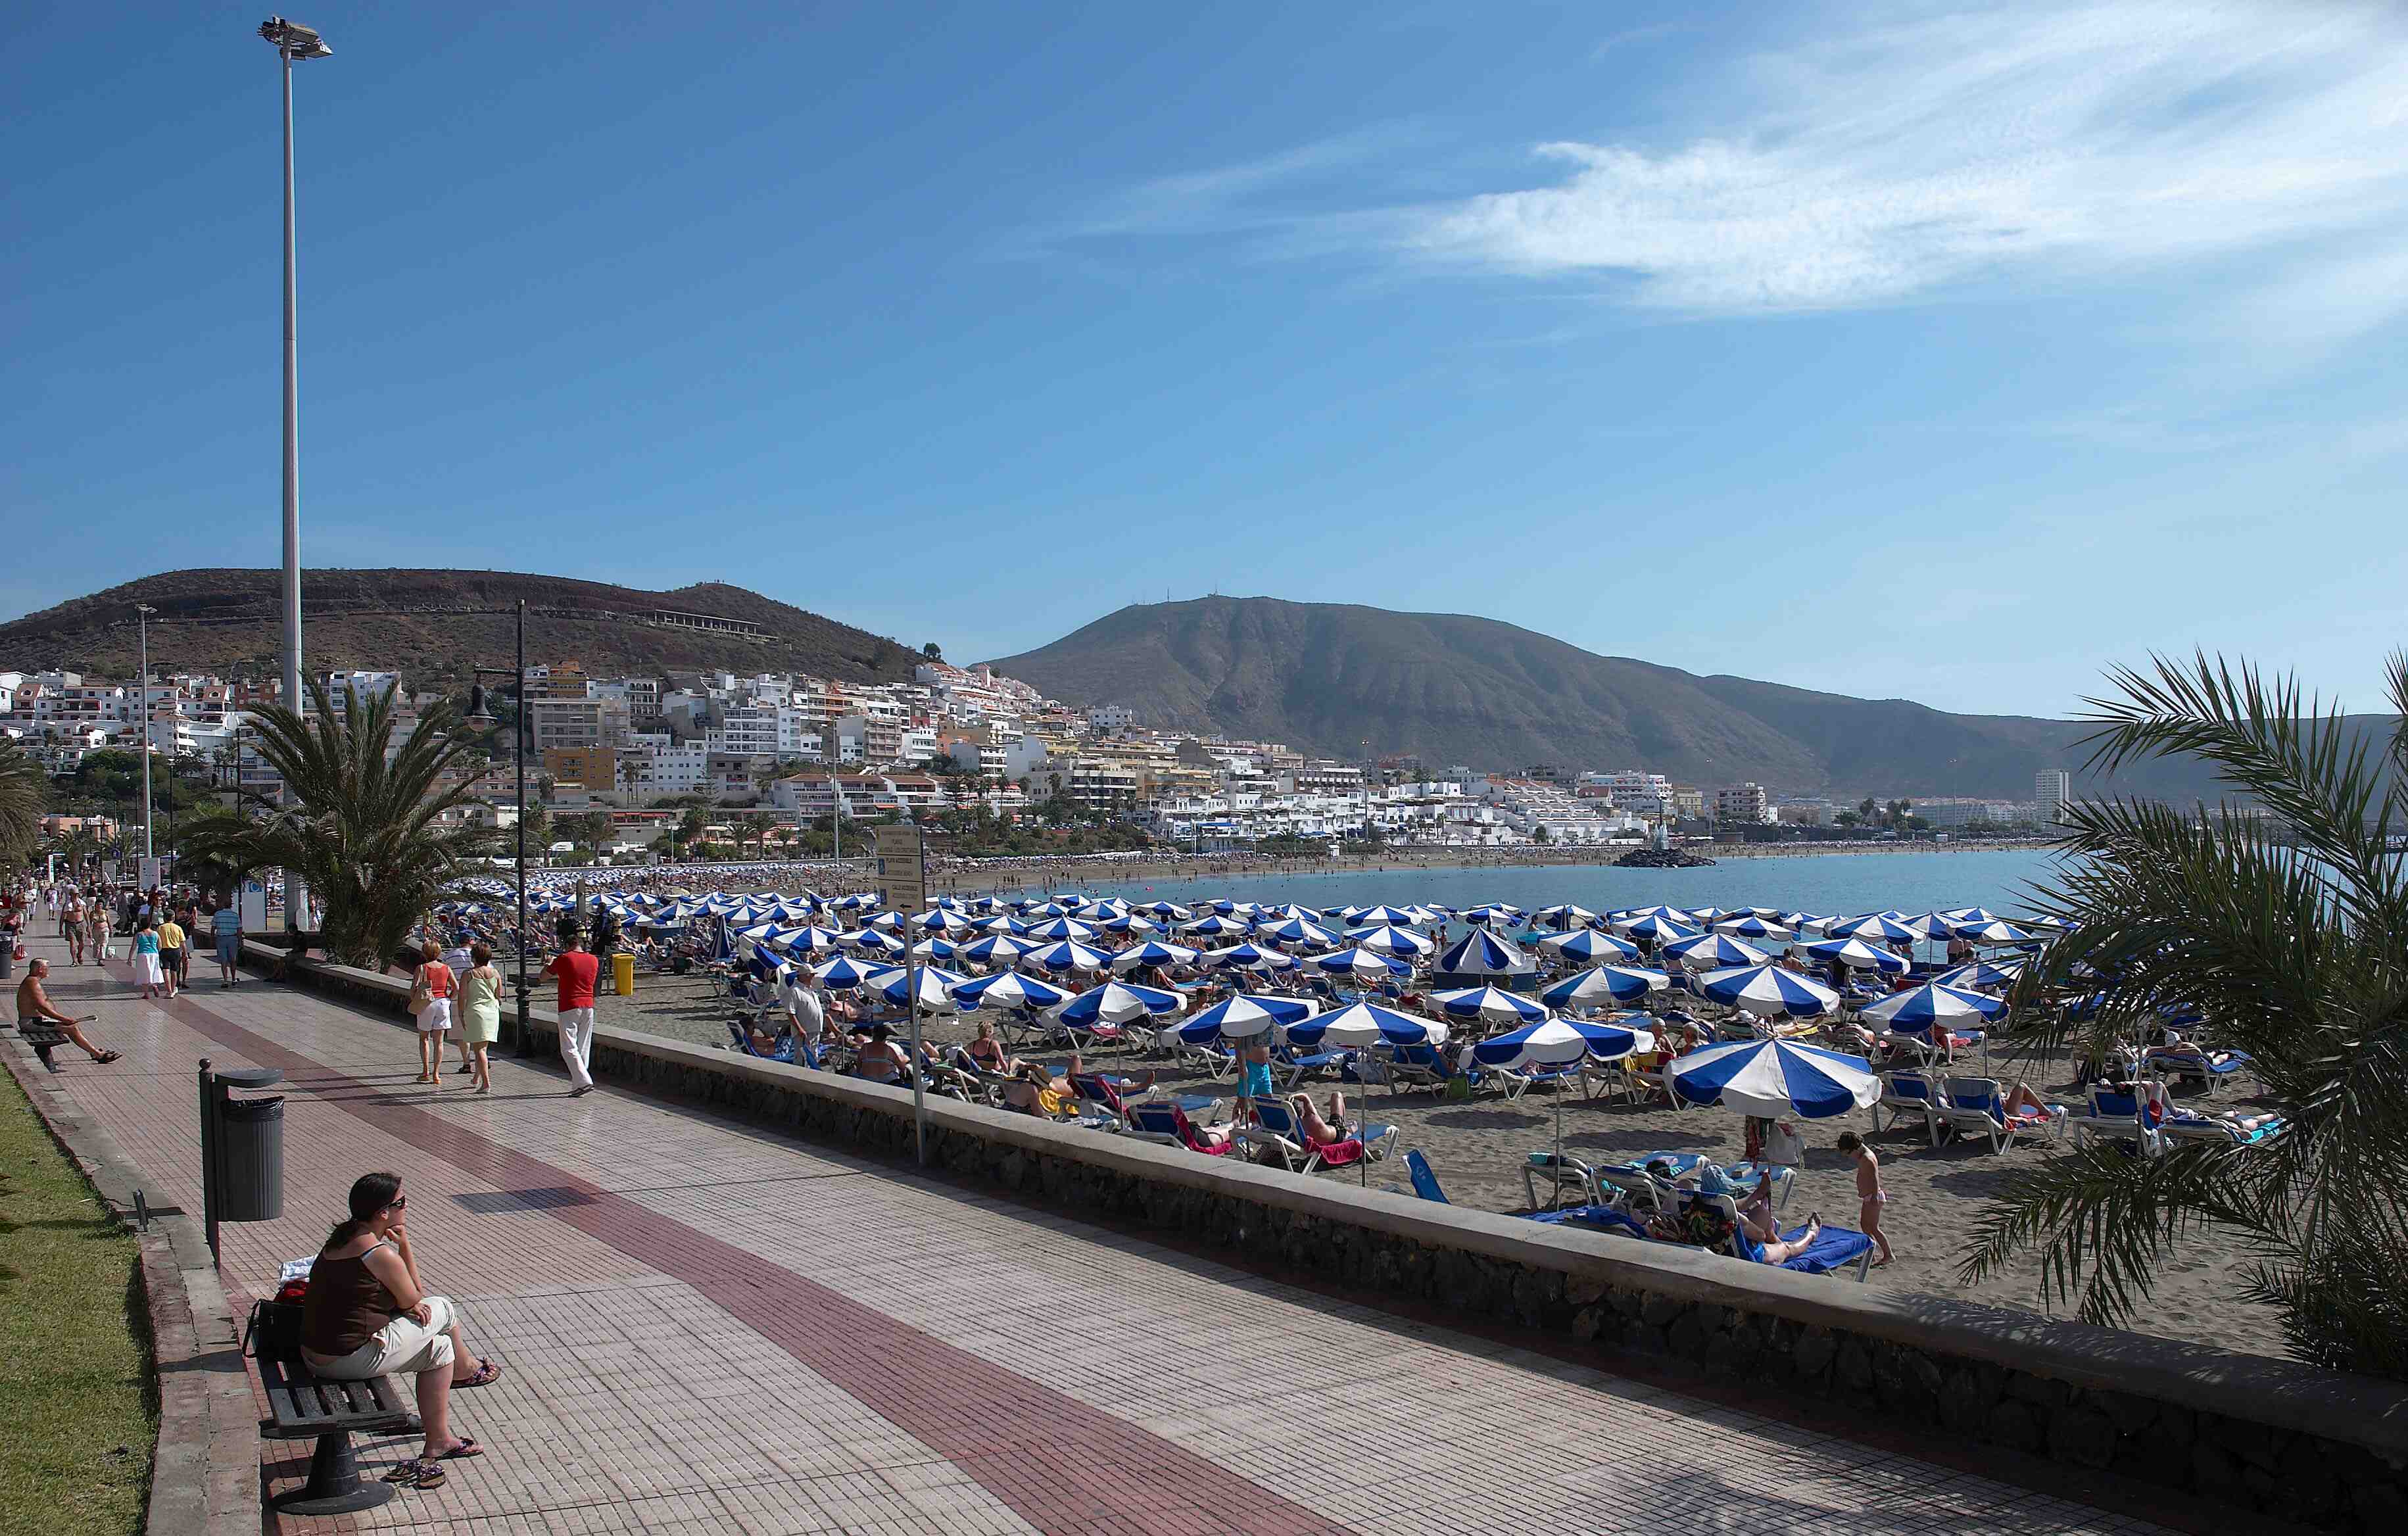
{"points": [[1342, 680]]}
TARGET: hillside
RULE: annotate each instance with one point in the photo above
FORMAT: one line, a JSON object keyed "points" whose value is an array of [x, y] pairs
{"points": [[432, 626], [1333, 679]]}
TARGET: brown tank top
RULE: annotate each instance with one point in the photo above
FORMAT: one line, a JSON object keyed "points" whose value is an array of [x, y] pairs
{"points": [[345, 1306]]}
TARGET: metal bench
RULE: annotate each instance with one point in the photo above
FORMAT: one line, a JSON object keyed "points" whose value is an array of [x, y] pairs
{"points": [[303, 1406], [44, 1037]]}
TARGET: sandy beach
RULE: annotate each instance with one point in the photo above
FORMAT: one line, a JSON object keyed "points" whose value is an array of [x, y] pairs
{"points": [[1477, 1150]]}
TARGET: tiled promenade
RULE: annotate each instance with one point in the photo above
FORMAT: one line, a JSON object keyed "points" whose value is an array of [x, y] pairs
{"points": [[708, 1329]]}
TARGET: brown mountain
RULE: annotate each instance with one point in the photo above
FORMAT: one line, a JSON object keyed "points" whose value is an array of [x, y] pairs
{"points": [[1337, 679], [433, 625]]}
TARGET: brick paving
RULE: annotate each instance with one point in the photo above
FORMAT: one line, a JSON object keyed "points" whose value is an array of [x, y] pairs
{"points": [[708, 1328]]}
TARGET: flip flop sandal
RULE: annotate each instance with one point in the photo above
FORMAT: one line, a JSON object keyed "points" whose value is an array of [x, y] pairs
{"points": [[107, 1056], [407, 1472], [462, 1452], [428, 1476], [485, 1374]]}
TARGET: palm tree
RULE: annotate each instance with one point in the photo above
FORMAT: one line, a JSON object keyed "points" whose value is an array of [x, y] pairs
{"points": [[24, 790], [2286, 926], [363, 822]]}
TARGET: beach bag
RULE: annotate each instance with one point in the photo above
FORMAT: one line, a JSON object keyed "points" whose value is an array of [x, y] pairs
{"points": [[1458, 1090], [420, 996]]}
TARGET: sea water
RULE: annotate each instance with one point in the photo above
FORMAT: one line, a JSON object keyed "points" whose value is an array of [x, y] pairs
{"points": [[1826, 885]]}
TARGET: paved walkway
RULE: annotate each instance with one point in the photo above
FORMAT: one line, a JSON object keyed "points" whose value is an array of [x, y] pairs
{"points": [[709, 1330]]}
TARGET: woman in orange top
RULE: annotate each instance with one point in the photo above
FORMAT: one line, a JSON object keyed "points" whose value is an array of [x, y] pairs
{"points": [[432, 987]]}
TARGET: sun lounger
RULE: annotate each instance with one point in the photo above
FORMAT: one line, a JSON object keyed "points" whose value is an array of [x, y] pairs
{"points": [[1425, 1181], [1100, 1103], [1313, 1065], [1602, 1218], [1275, 1129], [2115, 1116], [1905, 1094], [2211, 1068], [1161, 1120], [1977, 1105], [1565, 1172]]}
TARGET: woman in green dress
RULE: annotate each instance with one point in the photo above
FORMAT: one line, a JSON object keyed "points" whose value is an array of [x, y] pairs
{"points": [[480, 998]]}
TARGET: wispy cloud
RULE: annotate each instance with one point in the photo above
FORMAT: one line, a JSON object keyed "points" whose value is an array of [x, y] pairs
{"points": [[1873, 165]]}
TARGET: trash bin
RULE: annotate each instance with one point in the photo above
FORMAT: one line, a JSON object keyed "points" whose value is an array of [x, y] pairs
{"points": [[251, 1159], [623, 973]]}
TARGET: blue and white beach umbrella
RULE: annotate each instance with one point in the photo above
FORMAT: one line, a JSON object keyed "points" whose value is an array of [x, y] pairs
{"points": [[1884, 927], [869, 941], [1249, 957], [938, 920], [1004, 923], [1657, 927], [1982, 975], [1929, 924], [1128, 922], [1360, 963], [1218, 926], [810, 939], [1713, 951], [934, 947], [1009, 990], [1994, 931], [1752, 926], [1481, 952], [1153, 952], [1387, 917], [1119, 1002], [1563, 914], [1243, 1016], [1775, 1077], [1917, 1010], [1767, 990], [1560, 1042], [1857, 955], [935, 988], [996, 949], [847, 971], [1063, 927], [1365, 1023], [1490, 1005], [1067, 955], [1168, 912], [1495, 915], [1391, 941], [1602, 984], [1287, 911], [1296, 930], [1588, 946]]}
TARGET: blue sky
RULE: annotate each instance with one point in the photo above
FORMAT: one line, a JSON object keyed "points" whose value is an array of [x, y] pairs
{"points": [[1947, 353]]}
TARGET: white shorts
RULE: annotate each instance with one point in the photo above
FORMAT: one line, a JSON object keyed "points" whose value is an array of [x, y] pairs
{"points": [[436, 1018], [403, 1347]]}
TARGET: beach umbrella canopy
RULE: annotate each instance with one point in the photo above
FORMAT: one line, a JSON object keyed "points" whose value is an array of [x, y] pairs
{"points": [[1710, 951], [1004, 923], [1168, 911], [1063, 927], [846, 971], [934, 947], [1929, 924], [1128, 922], [1497, 914], [1385, 917], [1632, 914], [935, 988], [1066, 955], [1768, 990], [1227, 907], [1362, 1020], [1560, 1042], [1656, 926], [1296, 930], [1857, 954], [1563, 914], [996, 949], [1884, 927], [1242, 1016], [1969, 914], [1918, 1009], [1218, 926], [1481, 952], [758, 930], [1392, 941], [1119, 1002], [940, 920], [1153, 952], [1009, 989], [1752, 925], [1994, 931], [1776, 1076], [1249, 957], [810, 939], [1490, 1005], [1982, 975], [1358, 962], [1587, 946], [1602, 984], [869, 941], [1287, 911]]}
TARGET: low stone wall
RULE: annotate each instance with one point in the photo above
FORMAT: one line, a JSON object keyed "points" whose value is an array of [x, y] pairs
{"points": [[2245, 1432]]}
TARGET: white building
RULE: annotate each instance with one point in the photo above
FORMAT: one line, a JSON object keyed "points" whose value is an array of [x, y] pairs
{"points": [[2051, 789], [1741, 805]]}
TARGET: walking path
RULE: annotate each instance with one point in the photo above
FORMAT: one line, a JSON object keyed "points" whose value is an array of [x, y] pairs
{"points": [[709, 1330]]}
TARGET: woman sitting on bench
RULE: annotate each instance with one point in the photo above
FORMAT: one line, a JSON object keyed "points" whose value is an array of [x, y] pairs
{"points": [[366, 1314]]}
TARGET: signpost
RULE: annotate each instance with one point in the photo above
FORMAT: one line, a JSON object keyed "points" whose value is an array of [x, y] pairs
{"points": [[903, 885]]}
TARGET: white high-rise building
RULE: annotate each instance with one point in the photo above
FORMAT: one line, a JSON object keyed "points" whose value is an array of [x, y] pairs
{"points": [[2051, 789]]}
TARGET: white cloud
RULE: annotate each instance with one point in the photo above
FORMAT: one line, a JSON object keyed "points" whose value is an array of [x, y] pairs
{"points": [[1873, 165]]}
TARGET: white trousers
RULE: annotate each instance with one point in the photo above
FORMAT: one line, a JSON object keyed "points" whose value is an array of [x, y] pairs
{"points": [[576, 1045]]}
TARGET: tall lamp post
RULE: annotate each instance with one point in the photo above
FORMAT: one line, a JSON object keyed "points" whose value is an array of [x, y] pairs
{"points": [[142, 713], [292, 41], [481, 714]]}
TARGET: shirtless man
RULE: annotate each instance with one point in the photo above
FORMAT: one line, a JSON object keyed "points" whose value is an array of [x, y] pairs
{"points": [[1870, 1196], [34, 1003]]}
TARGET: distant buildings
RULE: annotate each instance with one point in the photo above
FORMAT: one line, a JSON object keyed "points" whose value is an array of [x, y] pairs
{"points": [[2051, 789], [1741, 805]]}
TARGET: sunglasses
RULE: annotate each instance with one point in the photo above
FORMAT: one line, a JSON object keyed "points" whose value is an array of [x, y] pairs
{"points": [[399, 1203]]}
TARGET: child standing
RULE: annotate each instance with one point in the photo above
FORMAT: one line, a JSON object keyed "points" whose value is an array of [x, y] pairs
{"points": [[1870, 1196]]}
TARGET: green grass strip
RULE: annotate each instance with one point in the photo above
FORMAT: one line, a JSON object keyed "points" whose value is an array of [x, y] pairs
{"points": [[78, 1414]]}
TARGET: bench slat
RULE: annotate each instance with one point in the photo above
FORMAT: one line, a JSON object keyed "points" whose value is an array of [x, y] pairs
{"points": [[302, 1404]]}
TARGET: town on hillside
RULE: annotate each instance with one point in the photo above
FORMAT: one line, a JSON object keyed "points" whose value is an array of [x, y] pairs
{"points": [[627, 768]]}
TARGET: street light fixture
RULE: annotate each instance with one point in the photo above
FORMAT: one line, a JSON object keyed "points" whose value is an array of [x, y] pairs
{"points": [[292, 41]]}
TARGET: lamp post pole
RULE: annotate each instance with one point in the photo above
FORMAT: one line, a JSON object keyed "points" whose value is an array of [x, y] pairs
{"points": [[519, 730], [142, 612]]}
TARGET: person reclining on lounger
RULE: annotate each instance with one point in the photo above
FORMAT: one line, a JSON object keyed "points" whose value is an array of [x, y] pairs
{"points": [[1033, 1091], [1318, 1131], [989, 1053], [2160, 1108], [880, 1060]]}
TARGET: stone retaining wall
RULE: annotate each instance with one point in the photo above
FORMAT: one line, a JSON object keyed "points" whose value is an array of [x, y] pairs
{"points": [[2268, 1436]]}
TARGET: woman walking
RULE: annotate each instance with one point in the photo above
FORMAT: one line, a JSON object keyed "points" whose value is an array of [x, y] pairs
{"points": [[146, 959], [480, 1014], [95, 929], [430, 1002]]}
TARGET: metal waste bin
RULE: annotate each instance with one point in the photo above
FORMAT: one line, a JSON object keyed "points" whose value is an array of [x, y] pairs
{"points": [[251, 1159]]}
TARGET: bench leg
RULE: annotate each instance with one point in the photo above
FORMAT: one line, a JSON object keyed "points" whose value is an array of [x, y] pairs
{"points": [[334, 1485], [44, 1052]]}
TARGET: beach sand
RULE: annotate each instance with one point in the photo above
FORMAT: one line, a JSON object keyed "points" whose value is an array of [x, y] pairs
{"points": [[1477, 1150]]}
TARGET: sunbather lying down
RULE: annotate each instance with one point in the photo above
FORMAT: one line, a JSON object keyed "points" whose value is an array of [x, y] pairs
{"points": [[2154, 1095]]}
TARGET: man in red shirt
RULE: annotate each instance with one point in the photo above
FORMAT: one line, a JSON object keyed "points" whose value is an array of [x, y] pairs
{"points": [[576, 971]]}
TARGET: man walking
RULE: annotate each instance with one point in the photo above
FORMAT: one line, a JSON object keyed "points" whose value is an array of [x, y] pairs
{"points": [[575, 970], [225, 928]]}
